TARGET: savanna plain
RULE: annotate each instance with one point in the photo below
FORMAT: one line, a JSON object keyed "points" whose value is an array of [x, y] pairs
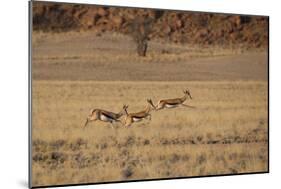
{"points": [[227, 132]]}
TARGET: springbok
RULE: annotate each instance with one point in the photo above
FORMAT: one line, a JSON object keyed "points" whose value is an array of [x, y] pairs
{"points": [[105, 116], [139, 116], [172, 103]]}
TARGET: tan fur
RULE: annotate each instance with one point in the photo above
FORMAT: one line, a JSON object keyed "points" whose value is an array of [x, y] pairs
{"points": [[175, 102], [105, 116], [133, 117]]}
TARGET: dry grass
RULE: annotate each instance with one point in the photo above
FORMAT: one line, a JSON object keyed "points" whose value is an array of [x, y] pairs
{"points": [[74, 72], [226, 133]]}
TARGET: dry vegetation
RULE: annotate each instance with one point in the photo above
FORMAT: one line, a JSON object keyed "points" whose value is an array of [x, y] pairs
{"points": [[74, 72], [227, 133]]}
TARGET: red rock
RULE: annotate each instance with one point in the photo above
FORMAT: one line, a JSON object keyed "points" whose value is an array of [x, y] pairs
{"points": [[102, 12]]}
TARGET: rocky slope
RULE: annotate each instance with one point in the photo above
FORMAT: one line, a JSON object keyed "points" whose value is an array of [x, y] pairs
{"points": [[175, 26]]}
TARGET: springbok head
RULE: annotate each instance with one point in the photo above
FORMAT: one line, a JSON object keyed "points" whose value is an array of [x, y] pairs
{"points": [[187, 93], [151, 103], [122, 112], [88, 117], [125, 107]]}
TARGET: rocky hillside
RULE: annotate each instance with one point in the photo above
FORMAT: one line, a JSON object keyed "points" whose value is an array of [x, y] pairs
{"points": [[175, 26]]}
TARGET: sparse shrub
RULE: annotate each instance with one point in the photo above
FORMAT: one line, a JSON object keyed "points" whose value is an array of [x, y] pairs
{"points": [[133, 162], [175, 141], [81, 142], [38, 142], [164, 141], [192, 140], [107, 159], [78, 144], [123, 163], [39, 145], [233, 171], [103, 146], [167, 173], [95, 157], [175, 158], [146, 142], [209, 136], [199, 138], [161, 157], [39, 157], [232, 156], [57, 156], [124, 152], [80, 160], [261, 122], [201, 159], [127, 172], [57, 144], [130, 141], [237, 139], [242, 164], [185, 157], [262, 157]]}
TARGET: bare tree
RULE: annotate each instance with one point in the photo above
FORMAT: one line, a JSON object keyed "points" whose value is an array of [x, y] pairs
{"points": [[141, 27]]}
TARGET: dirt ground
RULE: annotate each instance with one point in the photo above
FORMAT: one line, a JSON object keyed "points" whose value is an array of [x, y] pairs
{"points": [[85, 56]]}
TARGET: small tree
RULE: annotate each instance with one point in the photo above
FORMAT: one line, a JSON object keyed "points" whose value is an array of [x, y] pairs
{"points": [[141, 27]]}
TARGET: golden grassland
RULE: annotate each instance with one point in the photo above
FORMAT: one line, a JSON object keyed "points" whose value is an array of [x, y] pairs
{"points": [[75, 71], [226, 133]]}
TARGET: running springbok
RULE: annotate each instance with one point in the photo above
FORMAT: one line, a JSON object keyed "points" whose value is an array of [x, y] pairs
{"points": [[139, 116], [105, 116], [172, 103]]}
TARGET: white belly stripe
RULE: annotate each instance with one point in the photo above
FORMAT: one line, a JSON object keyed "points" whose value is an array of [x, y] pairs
{"points": [[104, 118], [170, 106], [137, 119]]}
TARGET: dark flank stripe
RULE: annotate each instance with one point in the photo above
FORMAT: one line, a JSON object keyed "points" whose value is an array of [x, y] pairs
{"points": [[107, 115]]}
